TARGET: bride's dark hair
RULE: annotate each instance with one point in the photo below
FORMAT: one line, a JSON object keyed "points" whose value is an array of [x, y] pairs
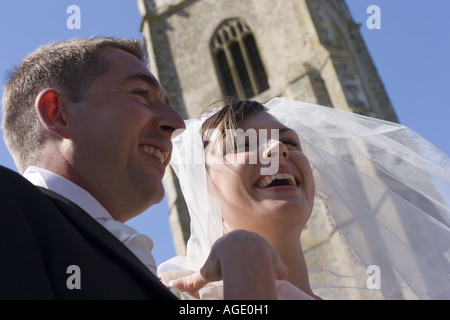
{"points": [[231, 116]]}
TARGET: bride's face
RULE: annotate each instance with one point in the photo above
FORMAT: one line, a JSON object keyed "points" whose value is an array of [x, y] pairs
{"points": [[249, 198]]}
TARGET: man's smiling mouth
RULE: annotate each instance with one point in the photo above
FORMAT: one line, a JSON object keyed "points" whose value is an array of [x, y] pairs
{"points": [[154, 151]]}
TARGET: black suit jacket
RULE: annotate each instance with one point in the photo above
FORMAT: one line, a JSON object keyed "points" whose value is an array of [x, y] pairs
{"points": [[43, 233]]}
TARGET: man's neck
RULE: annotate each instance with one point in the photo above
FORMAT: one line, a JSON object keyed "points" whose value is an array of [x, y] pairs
{"points": [[56, 183]]}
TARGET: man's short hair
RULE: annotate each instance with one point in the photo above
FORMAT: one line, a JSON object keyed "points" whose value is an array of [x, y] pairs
{"points": [[69, 67]]}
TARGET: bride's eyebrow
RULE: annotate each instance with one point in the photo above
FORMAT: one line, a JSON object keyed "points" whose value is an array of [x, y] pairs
{"points": [[285, 129], [289, 131]]}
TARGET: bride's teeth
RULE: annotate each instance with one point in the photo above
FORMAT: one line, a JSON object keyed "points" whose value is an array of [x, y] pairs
{"points": [[265, 181], [281, 176], [292, 181]]}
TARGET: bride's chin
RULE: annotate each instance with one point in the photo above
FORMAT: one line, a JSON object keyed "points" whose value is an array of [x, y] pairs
{"points": [[295, 206], [296, 215]]}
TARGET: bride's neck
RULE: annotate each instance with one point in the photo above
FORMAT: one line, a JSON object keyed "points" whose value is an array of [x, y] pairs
{"points": [[291, 253]]}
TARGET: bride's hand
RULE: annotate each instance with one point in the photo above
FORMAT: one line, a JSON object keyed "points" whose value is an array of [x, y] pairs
{"points": [[246, 263]]}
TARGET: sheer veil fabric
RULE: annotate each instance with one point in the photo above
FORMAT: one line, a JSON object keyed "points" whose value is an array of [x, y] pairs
{"points": [[385, 189]]}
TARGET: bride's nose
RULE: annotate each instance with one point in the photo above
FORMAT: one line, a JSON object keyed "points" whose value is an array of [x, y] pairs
{"points": [[275, 148]]}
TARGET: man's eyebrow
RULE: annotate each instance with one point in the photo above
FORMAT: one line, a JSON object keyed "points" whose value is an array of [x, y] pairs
{"points": [[144, 77], [151, 81]]}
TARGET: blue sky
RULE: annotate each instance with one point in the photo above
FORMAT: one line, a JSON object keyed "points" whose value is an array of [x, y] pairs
{"points": [[411, 53]]}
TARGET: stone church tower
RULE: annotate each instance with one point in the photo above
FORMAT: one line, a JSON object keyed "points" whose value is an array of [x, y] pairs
{"points": [[307, 50]]}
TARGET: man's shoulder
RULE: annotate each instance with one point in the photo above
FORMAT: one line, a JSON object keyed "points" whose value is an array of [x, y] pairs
{"points": [[21, 200], [15, 186], [9, 173]]}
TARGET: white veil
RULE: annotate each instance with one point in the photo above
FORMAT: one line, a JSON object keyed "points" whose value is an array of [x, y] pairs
{"points": [[385, 188]]}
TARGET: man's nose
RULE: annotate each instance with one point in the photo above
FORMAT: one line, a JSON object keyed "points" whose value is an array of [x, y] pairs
{"points": [[171, 121]]}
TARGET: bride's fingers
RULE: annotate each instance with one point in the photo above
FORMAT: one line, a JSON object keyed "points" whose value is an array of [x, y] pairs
{"points": [[280, 269], [189, 283]]}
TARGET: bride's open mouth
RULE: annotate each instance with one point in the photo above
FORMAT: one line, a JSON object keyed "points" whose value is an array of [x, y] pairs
{"points": [[277, 180]]}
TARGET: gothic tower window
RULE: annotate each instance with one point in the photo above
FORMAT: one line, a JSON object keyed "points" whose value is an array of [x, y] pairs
{"points": [[238, 64]]}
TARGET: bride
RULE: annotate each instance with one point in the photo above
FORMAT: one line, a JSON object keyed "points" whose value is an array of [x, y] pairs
{"points": [[260, 168]]}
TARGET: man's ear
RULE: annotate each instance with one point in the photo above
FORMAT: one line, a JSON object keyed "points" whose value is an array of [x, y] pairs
{"points": [[50, 107]]}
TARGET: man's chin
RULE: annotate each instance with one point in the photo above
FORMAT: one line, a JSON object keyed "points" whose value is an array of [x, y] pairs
{"points": [[155, 194]]}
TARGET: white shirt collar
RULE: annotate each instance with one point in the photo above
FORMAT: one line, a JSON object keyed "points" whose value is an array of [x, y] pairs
{"points": [[54, 182]]}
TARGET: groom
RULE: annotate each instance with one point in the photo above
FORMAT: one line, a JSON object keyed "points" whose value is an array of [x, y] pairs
{"points": [[90, 127]]}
